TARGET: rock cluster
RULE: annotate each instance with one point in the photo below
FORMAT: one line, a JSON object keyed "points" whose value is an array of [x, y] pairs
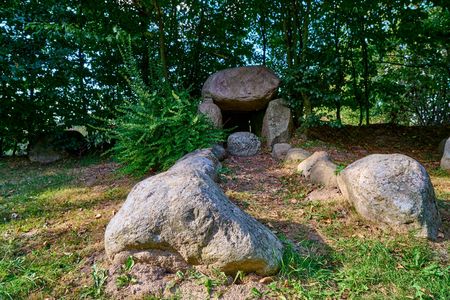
{"points": [[388, 189], [248, 96]]}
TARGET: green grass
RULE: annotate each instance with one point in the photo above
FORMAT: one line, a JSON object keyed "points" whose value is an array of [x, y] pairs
{"points": [[47, 226], [49, 233], [363, 269]]}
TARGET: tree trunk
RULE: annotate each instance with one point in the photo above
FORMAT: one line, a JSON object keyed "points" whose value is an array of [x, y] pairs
{"points": [[81, 62], [305, 29], [366, 78], [338, 111], [307, 106], [195, 69], [262, 22], [14, 148], [340, 73], [162, 41], [357, 93]]}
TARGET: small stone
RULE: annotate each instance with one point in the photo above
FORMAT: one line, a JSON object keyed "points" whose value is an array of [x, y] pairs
{"points": [[267, 280], [296, 155], [98, 216], [243, 144], [280, 150], [319, 169], [219, 152]]}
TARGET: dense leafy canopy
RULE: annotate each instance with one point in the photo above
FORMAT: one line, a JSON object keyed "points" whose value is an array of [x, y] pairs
{"points": [[60, 63]]}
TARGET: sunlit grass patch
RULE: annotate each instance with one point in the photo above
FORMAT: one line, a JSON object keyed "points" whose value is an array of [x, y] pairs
{"points": [[51, 223]]}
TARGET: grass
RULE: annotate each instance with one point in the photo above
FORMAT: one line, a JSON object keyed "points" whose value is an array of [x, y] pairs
{"points": [[52, 221], [49, 229], [363, 269]]}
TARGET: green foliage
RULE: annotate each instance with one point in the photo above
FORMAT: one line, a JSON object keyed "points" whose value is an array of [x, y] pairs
{"points": [[99, 277], [61, 66], [158, 128], [318, 119], [339, 169], [125, 279]]}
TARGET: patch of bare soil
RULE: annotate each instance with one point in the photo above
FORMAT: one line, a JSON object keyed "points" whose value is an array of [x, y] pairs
{"points": [[420, 143], [273, 193]]}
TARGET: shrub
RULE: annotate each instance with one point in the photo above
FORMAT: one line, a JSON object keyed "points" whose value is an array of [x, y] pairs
{"points": [[159, 126]]}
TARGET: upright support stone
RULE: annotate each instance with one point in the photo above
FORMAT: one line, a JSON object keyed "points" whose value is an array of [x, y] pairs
{"points": [[445, 160], [212, 111], [277, 123]]}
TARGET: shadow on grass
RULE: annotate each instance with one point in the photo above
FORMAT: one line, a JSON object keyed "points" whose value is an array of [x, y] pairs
{"points": [[306, 254]]}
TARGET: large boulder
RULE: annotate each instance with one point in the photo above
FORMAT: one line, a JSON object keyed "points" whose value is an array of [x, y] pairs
{"points": [[445, 160], [392, 189], [243, 144], [182, 214], [51, 147], [241, 89], [319, 168], [211, 111], [277, 123], [280, 150], [43, 150]]}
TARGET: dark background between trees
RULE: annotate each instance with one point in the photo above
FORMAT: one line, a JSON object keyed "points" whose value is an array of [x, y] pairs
{"points": [[60, 63]]}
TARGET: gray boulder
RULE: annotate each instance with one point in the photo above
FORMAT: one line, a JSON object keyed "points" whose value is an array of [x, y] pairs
{"points": [[211, 111], [241, 89], [243, 144], [445, 160], [296, 155], [392, 189], [43, 151], [185, 214], [280, 150], [219, 152], [277, 123], [319, 168], [202, 161]]}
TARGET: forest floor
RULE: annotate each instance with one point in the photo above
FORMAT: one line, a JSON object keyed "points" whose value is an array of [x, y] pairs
{"points": [[52, 221]]}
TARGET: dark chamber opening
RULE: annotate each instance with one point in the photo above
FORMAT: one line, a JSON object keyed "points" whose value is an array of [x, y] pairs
{"points": [[243, 121]]}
